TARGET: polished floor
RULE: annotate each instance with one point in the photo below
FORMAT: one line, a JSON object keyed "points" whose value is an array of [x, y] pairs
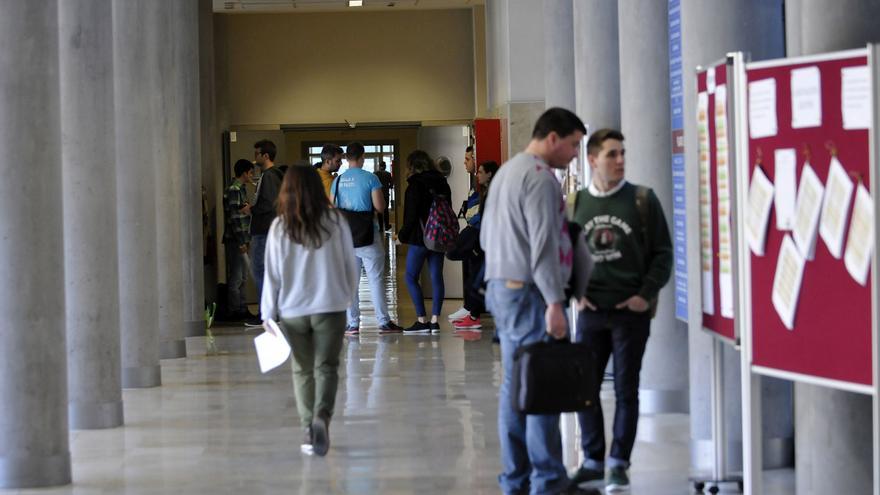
{"points": [[415, 414]]}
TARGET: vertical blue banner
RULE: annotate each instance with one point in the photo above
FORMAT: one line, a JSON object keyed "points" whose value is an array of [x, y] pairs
{"points": [[679, 204]]}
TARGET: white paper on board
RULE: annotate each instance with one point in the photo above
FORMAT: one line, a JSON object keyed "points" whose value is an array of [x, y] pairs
{"points": [[707, 251], [860, 241], [835, 208], [762, 108], [806, 98], [272, 347], [723, 192], [806, 211], [785, 184], [787, 282], [856, 97], [758, 210]]}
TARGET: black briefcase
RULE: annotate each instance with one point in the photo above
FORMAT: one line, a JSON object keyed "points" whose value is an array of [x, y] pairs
{"points": [[553, 377]]}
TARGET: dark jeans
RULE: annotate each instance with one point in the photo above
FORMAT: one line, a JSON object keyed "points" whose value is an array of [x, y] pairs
{"points": [[415, 259], [473, 300], [236, 276], [622, 334]]}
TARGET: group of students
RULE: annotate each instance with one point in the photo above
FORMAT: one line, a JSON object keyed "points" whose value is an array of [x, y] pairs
{"points": [[531, 255]]}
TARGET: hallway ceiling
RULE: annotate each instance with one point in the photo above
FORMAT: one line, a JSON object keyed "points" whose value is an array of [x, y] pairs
{"points": [[294, 6]]}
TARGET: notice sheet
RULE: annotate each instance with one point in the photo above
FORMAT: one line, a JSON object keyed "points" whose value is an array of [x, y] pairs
{"points": [[835, 208], [707, 251], [785, 182], [758, 210], [722, 178], [762, 108], [272, 347], [787, 282], [806, 98], [860, 241], [856, 97], [806, 211]]}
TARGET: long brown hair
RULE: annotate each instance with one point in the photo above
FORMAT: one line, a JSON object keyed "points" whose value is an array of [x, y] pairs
{"points": [[302, 206]]}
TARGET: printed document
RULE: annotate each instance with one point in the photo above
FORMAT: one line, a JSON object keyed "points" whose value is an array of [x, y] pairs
{"points": [[860, 242], [762, 108], [272, 347], [785, 182], [806, 211], [856, 97], [758, 210], [787, 282], [835, 208], [806, 98]]}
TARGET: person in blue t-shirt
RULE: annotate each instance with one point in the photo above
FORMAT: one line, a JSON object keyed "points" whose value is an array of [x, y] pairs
{"points": [[359, 190]]}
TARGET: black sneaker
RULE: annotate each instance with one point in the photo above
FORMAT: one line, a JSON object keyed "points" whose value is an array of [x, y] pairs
{"points": [[417, 327], [573, 489], [585, 474], [390, 327], [306, 446], [321, 435], [435, 326], [618, 481], [352, 331]]}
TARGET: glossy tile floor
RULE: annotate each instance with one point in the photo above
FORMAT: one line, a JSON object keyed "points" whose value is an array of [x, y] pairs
{"points": [[415, 414]]}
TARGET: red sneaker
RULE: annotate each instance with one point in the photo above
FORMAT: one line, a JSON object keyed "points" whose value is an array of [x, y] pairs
{"points": [[466, 323]]}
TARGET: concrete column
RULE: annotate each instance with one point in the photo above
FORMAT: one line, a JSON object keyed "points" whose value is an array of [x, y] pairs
{"points": [[168, 146], [91, 269], [596, 66], [645, 119], [832, 427], [135, 30], [559, 54], [710, 29], [33, 384]]}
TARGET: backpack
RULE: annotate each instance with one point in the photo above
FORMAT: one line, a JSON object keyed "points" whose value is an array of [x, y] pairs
{"points": [[441, 228]]}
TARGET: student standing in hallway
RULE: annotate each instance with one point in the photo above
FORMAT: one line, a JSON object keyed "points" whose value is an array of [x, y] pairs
{"points": [[629, 240], [236, 238], [311, 276], [528, 262], [425, 182], [263, 209], [387, 185], [331, 161], [360, 191]]}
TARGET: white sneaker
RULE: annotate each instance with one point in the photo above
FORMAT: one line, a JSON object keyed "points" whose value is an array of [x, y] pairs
{"points": [[461, 313]]}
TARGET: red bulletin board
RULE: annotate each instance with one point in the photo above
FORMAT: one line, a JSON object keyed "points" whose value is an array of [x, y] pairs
{"points": [[488, 140], [715, 323], [831, 338]]}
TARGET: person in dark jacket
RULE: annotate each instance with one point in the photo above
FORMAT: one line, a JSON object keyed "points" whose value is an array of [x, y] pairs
{"points": [[424, 183]]}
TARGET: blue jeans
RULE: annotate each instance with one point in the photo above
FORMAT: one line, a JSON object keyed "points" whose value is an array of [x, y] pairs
{"points": [[372, 259], [258, 261], [531, 447], [236, 275], [624, 335], [415, 259]]}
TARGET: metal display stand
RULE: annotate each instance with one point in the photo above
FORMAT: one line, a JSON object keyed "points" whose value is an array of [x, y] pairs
{"points": [[807, 372], [720, 474]]}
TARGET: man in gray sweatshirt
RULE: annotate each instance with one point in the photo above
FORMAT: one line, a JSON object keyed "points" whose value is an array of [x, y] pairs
{"points": [[529, 259]]}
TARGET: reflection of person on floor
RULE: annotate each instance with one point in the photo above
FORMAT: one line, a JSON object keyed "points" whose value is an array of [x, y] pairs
{"points": [[529, 258], [629, 239], [310, 278]]}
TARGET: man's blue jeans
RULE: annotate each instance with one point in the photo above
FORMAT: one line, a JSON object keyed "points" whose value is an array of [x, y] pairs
{"points": [[236, 275], [258, 261], [531, 447], [372, 259], [623, 334]]}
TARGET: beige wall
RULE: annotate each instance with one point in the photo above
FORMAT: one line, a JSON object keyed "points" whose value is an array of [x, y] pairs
{"points": [[328, 67]]}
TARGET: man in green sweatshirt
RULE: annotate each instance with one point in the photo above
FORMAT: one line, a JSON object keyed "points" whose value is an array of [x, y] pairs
{"points": [[629, 240]]}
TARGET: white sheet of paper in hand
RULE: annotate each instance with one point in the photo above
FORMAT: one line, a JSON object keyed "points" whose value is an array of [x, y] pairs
{"points": [[806, 98], [860, 242], [758, 210], [785, 184], [835, 208], [762, 108], [272, 347], [806, 211], [787, 282], [855, 97]]}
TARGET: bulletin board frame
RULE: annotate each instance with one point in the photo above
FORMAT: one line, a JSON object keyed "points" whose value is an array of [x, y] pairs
{"points": [[861, 157], [709, 80]]}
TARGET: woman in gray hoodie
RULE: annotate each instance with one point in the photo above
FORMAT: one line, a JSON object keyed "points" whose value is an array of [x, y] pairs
{"points": [[310, 279]]}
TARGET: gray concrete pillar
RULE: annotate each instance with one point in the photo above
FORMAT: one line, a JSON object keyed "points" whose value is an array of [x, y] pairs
{"points": [[168, 146], [134, 32], [91, 272], [596, 63], [559, 54], [710, 29], [645, 121], [33, 384], [832, 427]]}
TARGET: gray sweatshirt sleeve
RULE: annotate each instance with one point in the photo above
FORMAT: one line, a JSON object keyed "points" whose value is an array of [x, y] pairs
{"points": [[542, 206], [271, 275]]}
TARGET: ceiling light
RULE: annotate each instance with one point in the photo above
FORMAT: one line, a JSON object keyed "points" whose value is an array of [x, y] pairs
{"points": [[355, 3]]}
